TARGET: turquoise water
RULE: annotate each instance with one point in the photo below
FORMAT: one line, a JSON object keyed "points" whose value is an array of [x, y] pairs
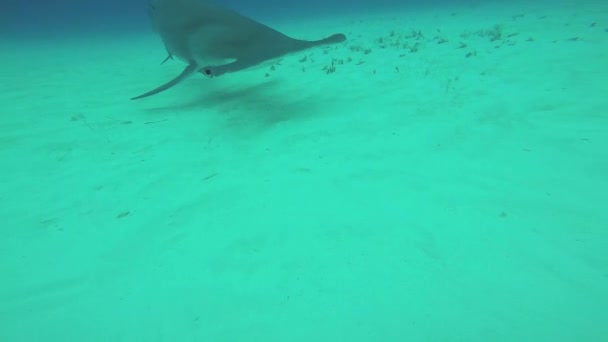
{"points": [[439, 176]]}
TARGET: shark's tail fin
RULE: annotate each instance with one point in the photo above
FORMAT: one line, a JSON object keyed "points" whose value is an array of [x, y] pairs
{"points": [[333, 39]]}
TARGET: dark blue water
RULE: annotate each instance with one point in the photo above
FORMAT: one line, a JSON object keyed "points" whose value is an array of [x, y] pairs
{"points": [[42, 17]]}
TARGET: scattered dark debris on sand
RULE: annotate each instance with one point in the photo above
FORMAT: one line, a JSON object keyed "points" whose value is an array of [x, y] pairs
{"points": [[406, 42], [414, 40], [123, 214], [331, 68]]}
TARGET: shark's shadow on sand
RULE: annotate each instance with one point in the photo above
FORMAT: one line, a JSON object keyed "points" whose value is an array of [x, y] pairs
{"points": [[214, 40], [255, 104]]}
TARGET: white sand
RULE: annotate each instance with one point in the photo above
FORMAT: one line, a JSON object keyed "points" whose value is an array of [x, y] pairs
{"points": [[458, 199]]}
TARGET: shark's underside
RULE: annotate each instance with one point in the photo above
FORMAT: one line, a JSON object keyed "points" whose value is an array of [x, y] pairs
{"points": [[215, 40]]}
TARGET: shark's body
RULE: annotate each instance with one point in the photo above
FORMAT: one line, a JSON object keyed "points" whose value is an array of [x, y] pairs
{"points": [[215, 40]]}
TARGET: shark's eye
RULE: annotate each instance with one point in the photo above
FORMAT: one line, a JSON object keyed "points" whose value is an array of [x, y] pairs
{"points": [[207, 72]]}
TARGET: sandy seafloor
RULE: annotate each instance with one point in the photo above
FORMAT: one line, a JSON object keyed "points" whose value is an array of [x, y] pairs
{"points": [[414, 194]]}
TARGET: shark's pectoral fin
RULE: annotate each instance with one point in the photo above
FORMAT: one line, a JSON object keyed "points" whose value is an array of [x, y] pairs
{"points": [[191, 68]]}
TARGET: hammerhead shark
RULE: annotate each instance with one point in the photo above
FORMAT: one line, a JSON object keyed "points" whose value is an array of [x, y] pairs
{"points": [[214, 40]]}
